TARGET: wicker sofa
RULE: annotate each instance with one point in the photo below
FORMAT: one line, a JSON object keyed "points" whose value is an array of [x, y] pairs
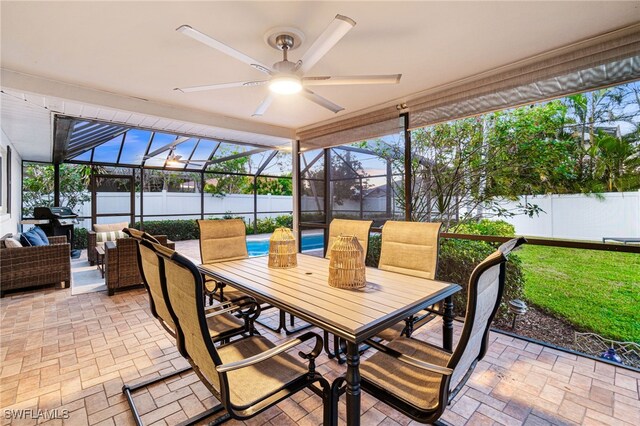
{"points": [[122, 268], [24, 267]]}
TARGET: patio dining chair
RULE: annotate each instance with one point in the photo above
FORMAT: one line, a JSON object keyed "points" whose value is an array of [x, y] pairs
{"points": [[361, 230], [249, 375], [221, 241], [226, 240], [409, 248], [222, 326], [424, 377]]}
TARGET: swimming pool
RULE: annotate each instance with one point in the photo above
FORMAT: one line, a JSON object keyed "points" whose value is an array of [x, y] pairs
{"points": [[309, 242]]}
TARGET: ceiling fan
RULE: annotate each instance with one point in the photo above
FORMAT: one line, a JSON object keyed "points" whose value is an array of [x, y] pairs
{"points": [[286, 77]]}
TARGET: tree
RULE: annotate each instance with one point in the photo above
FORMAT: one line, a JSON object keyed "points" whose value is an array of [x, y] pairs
{"points": [[222, 183], [38, 186], [617, 162], [468, 165], [590, 110]]}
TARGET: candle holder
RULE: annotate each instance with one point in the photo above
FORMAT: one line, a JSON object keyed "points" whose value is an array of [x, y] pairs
{"points": [[282, 249], [346, 267]]}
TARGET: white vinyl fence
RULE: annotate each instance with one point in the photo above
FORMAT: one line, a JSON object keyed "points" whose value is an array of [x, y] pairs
{"points": [[181, 205], [581, 217]]}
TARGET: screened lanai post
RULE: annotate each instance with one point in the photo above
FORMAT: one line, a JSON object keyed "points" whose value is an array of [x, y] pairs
{"points": [[389, 187], [295, 183], [142, 197], [408, 207], [202, 183], [56, 185], [255, 204], [327, 197]]}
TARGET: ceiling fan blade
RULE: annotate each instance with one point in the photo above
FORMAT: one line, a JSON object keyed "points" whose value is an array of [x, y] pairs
{"points": [[321, 101], [262, 108], [211, 42], [352, 79], [330, 36], [220, 86], [166, 147]]}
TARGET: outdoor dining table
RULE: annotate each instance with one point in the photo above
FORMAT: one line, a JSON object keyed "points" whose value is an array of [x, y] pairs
{"points": [[353, 315]]}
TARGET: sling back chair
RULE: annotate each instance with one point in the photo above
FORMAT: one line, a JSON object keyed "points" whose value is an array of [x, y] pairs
{"points": [[409, 248], [360, 229], [249, 375], [222, 327], [221, 241], [225, 240], [419, 379]]}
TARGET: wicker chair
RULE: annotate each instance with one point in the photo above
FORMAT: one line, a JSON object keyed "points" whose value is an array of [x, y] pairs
{"points": [[249, 375], [426, 378], [361, 229], [222, 324], [122, 269], [409, 248], [24, 267]]}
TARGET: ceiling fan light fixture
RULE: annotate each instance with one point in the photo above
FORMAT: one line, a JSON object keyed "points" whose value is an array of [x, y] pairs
{"points": [[285, 85]]}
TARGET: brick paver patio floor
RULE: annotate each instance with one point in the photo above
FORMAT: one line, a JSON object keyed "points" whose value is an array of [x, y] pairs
{"points": [[75, 352]]}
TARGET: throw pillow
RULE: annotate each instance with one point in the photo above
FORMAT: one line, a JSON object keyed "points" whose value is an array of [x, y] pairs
{"points": [[109, 227], [33, 239], [41, 234], [11, 243], [102, 237]]}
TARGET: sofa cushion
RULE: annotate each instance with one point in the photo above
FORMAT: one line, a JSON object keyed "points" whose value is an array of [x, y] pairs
{"points": [[11, 243], [41, 234], [109, 227]]}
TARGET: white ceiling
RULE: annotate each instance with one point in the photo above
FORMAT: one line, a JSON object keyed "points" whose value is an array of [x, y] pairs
{"points": [[128, 56]]}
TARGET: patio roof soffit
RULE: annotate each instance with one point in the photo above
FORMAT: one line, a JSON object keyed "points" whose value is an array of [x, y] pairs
{"points": [[72, 92]]}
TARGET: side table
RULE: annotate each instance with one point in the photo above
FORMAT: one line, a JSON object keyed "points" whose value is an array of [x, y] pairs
{"points": [[100, 259]]}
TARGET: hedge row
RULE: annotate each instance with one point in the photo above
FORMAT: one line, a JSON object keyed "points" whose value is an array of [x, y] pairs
{"points": [[179, 230]]}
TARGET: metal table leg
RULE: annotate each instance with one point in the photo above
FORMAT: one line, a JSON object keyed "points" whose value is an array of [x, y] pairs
{"points": [[447, 324], [353, 384]]}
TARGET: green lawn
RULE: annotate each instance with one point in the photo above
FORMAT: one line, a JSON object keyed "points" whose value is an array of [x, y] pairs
{"points": [[597, 291]]}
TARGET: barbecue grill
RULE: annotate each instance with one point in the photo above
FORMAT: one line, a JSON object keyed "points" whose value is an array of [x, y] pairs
{"points": [[56, 221]]}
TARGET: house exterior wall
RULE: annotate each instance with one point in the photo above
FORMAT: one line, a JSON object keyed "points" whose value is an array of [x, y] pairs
{"points": [[9, 221]]}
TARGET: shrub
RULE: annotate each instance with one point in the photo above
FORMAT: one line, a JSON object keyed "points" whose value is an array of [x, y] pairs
{"points": [[176, 230], [456, 261], [498, 228], [80, 238], [268, 224], [187, 229]]}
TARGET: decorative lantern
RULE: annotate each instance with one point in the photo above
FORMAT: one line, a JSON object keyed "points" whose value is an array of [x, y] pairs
{"points": [[282, 249], [346, 267], [517, 307]]}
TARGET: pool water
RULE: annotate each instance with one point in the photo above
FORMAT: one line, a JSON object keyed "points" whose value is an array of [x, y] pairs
{"points": [[309, 242]]}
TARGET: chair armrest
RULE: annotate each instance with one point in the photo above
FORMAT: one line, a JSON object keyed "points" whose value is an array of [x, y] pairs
{"points": [[240, 304], [59, 239], [409, 360], [270, 353], [91, 246], [165, 241]]}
